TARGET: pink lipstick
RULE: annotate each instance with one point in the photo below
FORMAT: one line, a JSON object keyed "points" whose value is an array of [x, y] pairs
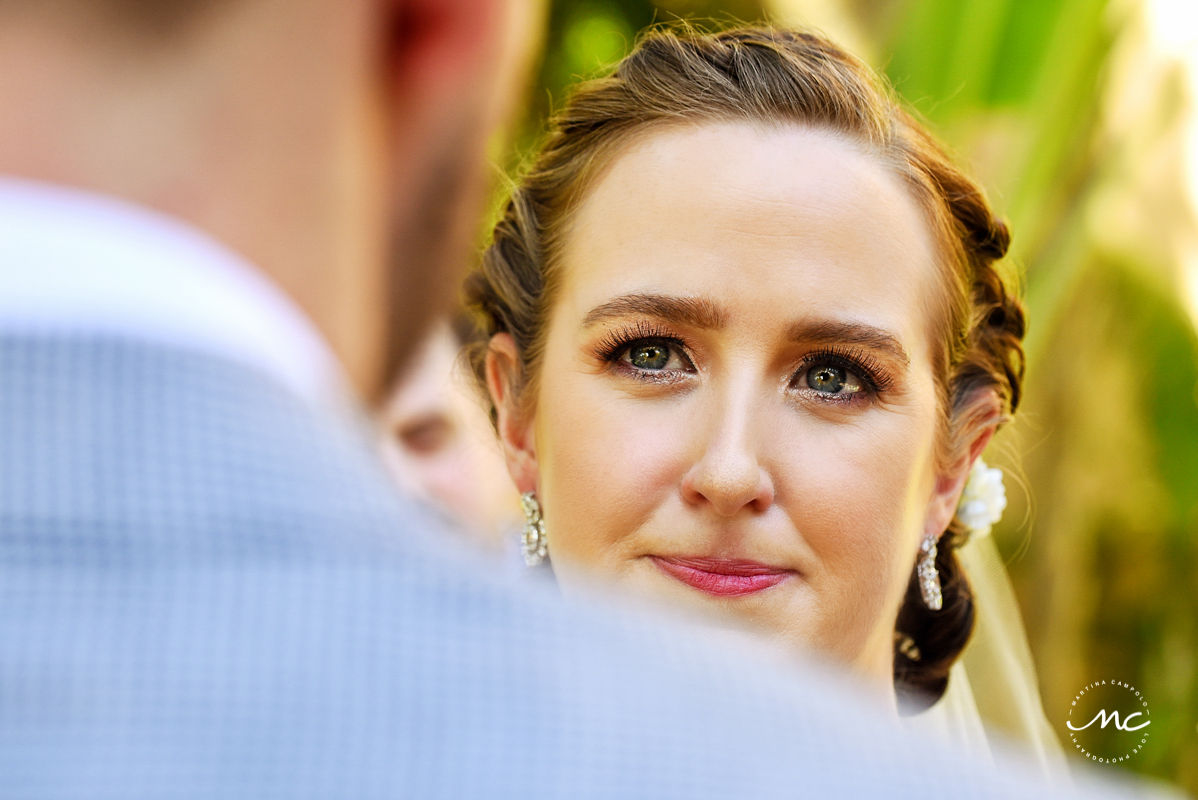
{"points": [[722, 577]]}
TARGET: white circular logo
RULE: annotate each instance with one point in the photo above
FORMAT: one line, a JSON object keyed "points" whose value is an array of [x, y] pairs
{"points": [[1108, 721]]}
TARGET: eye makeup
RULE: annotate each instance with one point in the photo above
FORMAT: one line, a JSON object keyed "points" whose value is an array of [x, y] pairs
{"points": [[874, 377], [868, 374], [615, 345]]}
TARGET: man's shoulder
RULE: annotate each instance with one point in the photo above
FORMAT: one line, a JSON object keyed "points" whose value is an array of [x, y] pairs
{"points": [[111, 427], [208, 589]]}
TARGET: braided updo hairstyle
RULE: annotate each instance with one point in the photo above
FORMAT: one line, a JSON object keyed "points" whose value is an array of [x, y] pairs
{"points": [[774, 77]]}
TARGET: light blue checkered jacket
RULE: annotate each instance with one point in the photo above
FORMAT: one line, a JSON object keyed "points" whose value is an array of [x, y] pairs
{"points": [[208, 589]]}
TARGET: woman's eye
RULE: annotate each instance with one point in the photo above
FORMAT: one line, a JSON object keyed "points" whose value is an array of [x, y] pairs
{"points": [[833, 380], [654, 356]]}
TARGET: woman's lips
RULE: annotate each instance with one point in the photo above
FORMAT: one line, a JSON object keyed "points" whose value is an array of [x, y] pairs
{"points": [[722, 577]]}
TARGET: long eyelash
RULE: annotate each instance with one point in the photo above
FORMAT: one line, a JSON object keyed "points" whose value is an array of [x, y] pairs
{"points": [[613, 345], [875, 376]]}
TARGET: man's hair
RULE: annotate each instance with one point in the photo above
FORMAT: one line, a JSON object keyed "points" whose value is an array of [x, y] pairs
{"points": [[138, 17]]}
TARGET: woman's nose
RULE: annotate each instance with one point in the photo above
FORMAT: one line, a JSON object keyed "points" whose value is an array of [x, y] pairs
{"points": [[729, 475]]}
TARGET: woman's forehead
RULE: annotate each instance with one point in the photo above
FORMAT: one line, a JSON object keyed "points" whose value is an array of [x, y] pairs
{"points": [[754, 216]]}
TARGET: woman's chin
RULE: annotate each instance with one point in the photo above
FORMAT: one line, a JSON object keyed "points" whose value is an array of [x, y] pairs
{"points": [[779, 619], [772, 619], [767, 614]]}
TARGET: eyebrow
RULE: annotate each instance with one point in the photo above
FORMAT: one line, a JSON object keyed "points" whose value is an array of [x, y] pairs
{"points": [[699, 312], [693, 311], [858, 333]]}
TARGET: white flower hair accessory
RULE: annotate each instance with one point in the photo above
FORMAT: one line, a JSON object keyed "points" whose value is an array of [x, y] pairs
{"points": [[983, 500]]}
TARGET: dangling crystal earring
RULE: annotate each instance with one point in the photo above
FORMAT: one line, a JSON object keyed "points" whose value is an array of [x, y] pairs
{"points": [[536, 544], [929, 578]]}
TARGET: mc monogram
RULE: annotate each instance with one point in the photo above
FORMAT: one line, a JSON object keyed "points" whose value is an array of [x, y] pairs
{"points": [[1107, 717], [1122, 716]]}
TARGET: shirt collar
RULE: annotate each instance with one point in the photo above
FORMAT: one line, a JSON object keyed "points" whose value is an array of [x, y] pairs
{"points": [[79, 262]]}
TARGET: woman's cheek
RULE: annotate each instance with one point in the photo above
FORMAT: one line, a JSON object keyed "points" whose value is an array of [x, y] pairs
{"points": [[856, 510], [606, 464]]}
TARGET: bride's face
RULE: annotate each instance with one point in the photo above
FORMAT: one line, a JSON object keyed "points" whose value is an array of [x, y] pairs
{"points": [[736, 407]]}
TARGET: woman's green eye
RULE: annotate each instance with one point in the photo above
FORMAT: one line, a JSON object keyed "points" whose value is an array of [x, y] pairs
{"points": [[831, 379], [827, 379], [651, 356]]}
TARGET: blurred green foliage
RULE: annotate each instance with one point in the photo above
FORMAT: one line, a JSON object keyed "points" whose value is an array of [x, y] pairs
{"points": [[1033, 96], [1030, 94]]}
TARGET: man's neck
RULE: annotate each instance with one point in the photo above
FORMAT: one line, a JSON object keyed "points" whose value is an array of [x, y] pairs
{"points": [[200, 139]]}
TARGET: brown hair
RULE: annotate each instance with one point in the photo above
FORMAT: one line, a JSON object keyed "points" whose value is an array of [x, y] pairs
{"points": [[773, 76]]}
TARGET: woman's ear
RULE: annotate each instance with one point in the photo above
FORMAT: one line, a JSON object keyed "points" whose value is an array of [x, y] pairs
{"points": [[974, 429], [512, 422]]}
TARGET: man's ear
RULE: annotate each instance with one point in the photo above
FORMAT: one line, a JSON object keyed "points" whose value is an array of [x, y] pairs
{"points": [[512, 422], [438, 40], [445, 52], [976, 426]]}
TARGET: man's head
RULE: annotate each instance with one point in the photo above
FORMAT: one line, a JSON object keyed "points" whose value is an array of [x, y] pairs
{"points": [[339, 145]]}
